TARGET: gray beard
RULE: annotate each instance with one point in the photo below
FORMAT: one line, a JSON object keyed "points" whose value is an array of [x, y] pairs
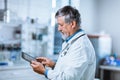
{"points": [[64, 37]]}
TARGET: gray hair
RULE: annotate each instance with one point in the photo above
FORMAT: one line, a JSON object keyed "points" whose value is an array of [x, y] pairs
{"points": [[70, 13]]}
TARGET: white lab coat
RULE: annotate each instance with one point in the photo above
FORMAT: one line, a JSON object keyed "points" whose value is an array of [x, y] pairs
{"points": [[79, 63]]}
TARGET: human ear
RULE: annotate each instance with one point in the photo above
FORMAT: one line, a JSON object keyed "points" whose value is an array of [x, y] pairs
{"points": [[73, 23]]}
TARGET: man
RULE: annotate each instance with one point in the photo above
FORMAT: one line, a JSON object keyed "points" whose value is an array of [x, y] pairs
{"points": [[76, 60]]}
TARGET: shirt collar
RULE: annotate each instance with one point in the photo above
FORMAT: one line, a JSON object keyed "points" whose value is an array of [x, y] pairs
{"points": [[73, 35]]}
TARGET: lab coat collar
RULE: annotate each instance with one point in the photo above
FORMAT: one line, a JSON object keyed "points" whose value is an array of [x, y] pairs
{"points": [[77, 34], [73, 35], [72, 38]]}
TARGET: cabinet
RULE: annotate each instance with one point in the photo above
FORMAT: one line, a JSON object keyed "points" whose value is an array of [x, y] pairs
{"points": [[109, 72]]}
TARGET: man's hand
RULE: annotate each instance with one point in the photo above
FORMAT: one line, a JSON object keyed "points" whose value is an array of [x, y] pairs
{"points": [[46, 62], [38, 67]]}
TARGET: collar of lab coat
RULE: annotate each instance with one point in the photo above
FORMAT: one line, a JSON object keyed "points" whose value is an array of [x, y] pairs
{"points": [[70, 37], [74, 37]]}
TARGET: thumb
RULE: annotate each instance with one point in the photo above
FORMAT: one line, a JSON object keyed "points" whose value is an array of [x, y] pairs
{"points": [[43, 62]]}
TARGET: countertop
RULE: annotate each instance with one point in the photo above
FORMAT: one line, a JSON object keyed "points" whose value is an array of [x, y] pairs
{"points": [[21, 65]]}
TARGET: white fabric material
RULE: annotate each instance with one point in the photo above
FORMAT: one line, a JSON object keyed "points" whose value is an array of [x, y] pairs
{"points": [[79, 63]]}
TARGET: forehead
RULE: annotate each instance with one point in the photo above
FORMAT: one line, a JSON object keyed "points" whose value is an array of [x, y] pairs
{"points": [[61, 19]]}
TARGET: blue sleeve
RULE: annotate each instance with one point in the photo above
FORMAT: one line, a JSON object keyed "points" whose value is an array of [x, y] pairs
{"points": [[46, 72]]}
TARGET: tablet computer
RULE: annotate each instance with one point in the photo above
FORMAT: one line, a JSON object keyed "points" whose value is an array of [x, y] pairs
{"points": [[28, 57]]}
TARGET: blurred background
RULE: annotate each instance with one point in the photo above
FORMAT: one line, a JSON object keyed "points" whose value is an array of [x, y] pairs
{"points": [[29, 26]]}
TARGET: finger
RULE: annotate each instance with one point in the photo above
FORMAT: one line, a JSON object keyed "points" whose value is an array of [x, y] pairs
{"points": [[44, 62], [32, 65], [33, 62], [40, 59]]}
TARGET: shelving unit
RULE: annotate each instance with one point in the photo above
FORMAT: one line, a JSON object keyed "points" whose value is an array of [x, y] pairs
{"points": [[34, 38], [10, 42]]}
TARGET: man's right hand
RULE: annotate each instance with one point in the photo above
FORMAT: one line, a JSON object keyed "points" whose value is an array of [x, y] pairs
{"points": [[45, 61]]}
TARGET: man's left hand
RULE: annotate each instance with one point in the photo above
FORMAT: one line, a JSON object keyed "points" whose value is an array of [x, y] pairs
{"points": [[38, 67]]}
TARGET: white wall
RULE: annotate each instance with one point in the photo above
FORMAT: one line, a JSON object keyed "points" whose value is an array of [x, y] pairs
{"points": [[88, 15], [109, 20], [99, 15]]}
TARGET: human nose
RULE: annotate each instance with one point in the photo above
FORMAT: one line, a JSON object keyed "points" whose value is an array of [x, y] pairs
{"points": [[59, 28]]}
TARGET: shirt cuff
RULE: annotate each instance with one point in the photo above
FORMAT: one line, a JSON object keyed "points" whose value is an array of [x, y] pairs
{"points": [[46, 72]]}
